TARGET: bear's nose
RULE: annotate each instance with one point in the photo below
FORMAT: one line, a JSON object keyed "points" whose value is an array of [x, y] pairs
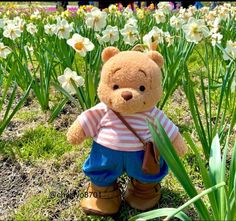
{"points": [[126, 95]]}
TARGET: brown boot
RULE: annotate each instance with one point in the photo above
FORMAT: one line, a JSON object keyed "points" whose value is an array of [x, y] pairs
{"points": [[142, 196], [101, 200]]}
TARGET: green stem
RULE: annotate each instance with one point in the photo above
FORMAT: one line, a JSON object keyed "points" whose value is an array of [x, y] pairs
{"points": [[199, 196]]}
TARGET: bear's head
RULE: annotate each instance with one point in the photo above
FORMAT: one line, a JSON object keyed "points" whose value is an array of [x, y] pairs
{"points": [[130, 80]]}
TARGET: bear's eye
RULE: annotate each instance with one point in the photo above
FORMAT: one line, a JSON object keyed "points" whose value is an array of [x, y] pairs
{"points": [[142, 88], [115, 87]]}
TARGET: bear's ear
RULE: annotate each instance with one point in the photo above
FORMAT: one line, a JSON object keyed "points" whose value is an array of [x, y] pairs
{"points": [[156, 57], [109, 52]]}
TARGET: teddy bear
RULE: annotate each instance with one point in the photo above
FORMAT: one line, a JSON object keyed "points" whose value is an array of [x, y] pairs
{"points": [[130, 84]]}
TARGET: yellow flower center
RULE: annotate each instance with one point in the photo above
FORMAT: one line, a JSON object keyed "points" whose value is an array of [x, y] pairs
{"points": [[62, 29], [79, 46], [96, 19], [195, 29], [12, 32], [130, 34]]}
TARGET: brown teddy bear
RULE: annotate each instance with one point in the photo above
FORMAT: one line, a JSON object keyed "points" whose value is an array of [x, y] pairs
{"points": [[130, 85]]}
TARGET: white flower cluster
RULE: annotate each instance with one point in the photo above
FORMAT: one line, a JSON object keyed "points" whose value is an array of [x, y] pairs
{"points": [[157, 36]]}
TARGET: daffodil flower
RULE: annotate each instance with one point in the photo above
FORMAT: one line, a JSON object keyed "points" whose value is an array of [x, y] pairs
{"points": [[81, 44], [4, 51], [66, 83]]}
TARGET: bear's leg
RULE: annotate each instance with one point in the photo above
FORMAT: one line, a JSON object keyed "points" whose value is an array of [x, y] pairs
{"points": [[103, 167], [101, 200], [143, 190], [142, 196]]}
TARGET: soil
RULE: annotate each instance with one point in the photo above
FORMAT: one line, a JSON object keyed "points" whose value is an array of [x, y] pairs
{"points": [[20, 180], [14, 182]]}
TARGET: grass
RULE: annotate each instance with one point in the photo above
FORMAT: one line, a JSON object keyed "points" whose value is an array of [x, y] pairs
{"points": [[37, 144], [27, 116], [36, 207]]}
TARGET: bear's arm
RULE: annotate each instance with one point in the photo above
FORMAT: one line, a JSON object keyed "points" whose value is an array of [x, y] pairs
{"points": [[179, 145], [75, 134], [86, 125], [171, 130]]}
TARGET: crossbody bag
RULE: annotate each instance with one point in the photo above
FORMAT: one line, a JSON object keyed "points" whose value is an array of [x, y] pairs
{"points": [[151, 159]]}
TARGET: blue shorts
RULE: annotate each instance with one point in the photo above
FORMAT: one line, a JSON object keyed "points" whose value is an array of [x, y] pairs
{"points": [[105, 165]]}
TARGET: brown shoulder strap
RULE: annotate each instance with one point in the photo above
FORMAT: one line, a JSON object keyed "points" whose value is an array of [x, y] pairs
{"points": [[128, 126]]}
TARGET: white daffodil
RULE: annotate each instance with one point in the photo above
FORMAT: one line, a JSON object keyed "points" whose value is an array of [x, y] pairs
{"points": [[81, 44], [35, 15], [21, 25], [130, 34], [184, 15], [214, 25], [224, 12], [195, 30], [216, 38], [230, 50], [204, 10], [176, 22], [165, 7], [168, 39], [28, 48], [153, 38], [65, 80], [19, 22], [50, 29], [210, 16], [112, 9], [99, 38], [159, 16], [63, 28], [4, 51], [128, 12], [31, 28], [132, 21], [192, 10], [110, 34], [11, 31], [96, 19]]}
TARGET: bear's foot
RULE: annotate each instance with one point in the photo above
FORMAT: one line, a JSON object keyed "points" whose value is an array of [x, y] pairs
{"points": [[142, 196], [101, 200]]}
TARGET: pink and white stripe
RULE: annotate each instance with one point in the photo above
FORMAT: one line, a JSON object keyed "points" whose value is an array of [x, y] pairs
{"points": [[103, 125]]}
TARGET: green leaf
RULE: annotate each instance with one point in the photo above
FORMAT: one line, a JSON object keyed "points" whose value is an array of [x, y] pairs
{"points": [[232, 177], [65, 93], [215, 160], [205, 175], [57, 109], [160, 213], [16, 108], [169, 154], [194, 199]]}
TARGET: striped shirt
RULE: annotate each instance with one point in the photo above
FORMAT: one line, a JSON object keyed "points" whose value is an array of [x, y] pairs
{"points": [[103, 125]]}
